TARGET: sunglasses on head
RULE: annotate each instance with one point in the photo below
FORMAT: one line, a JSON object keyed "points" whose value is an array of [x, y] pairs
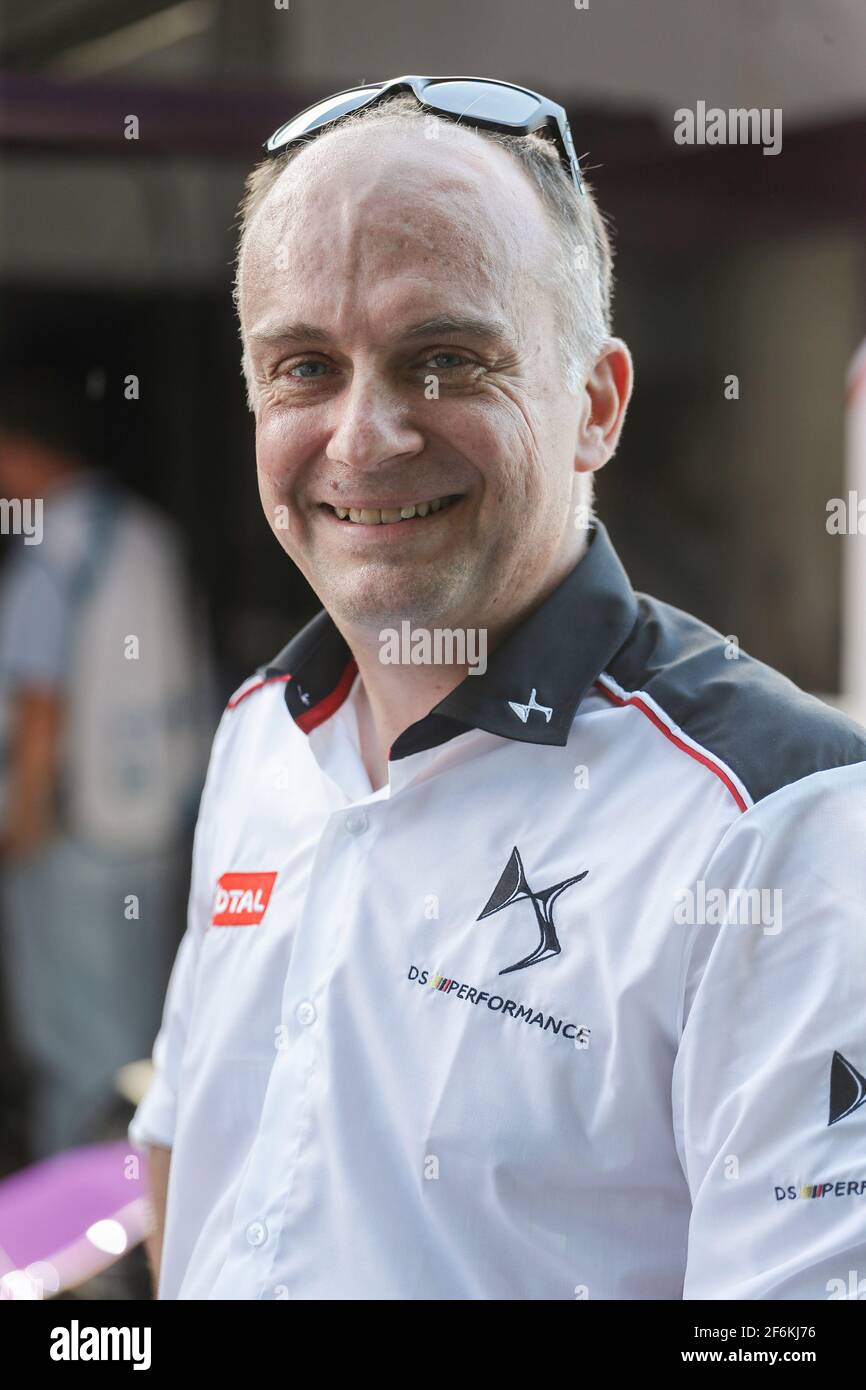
{"points": [[472, 101]]}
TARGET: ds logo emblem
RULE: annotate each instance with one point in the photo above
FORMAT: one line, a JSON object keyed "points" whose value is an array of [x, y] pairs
{"points": [[513, 887], [241, 899]]}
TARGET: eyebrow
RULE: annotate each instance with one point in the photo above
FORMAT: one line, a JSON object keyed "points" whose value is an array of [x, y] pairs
{"points": [[291, 333], [492, 330]]}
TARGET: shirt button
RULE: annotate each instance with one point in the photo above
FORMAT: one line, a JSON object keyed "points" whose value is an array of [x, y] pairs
{"points": [[356, 823], [305, 1012], [257, 1233]]}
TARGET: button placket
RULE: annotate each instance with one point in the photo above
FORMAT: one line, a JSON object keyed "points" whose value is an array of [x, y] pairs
{"points": [[348, 828], [357, 822]]}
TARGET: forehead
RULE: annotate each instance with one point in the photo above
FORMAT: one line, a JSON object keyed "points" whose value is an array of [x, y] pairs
{"points": [[363, 218]]}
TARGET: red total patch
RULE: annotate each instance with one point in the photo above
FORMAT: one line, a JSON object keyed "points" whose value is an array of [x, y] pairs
{"points": [[241, 899]]}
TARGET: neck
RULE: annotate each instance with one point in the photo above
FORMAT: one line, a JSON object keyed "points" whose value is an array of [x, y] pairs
{"points": [[390, 699], [392, 696]]}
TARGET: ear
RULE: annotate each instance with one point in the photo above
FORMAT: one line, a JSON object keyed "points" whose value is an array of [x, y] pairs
{"points": [[606, 394]]}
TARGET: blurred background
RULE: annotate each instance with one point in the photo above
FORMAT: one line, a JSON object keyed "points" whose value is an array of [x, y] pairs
{"points": [[115, 279]]}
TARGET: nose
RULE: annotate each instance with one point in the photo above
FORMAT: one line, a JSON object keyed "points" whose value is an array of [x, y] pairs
{"points": [[373, 427]]}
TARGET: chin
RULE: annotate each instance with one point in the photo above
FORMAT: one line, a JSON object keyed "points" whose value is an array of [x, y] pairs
{"points": [[422, 601]]}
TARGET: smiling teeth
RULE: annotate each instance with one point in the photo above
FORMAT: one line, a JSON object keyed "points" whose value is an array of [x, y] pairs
{"points": [[374, 516]]}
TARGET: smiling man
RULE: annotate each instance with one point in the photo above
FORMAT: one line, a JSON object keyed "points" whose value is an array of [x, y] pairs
{"points": [[404, 336], [478, 996]]}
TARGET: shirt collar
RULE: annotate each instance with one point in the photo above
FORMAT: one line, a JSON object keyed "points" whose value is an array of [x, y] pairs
{"points": [[535, 678]]}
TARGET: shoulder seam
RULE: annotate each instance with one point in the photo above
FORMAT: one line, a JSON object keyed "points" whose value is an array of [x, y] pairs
{"points": [[658, 716], [252, 684]]}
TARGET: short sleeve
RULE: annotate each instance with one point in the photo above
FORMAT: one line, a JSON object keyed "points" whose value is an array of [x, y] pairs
{"points": [[769, 1086], [35, 621], [155, 1119]]}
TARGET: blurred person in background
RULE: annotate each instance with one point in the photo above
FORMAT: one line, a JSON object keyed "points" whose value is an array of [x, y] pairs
{"points": [[105, 701]]}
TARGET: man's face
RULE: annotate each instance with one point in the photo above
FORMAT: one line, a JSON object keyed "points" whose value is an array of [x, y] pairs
{"points": [[404, 351]]}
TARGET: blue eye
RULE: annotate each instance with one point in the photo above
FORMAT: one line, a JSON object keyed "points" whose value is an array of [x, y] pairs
{"points": [[301, 365], [456, 360]]}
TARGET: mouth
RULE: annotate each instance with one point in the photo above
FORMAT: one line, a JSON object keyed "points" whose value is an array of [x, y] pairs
{"points": [[412, 512]]}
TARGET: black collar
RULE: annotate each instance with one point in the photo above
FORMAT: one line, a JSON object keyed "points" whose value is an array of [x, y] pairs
{"points": [[557, 652]]}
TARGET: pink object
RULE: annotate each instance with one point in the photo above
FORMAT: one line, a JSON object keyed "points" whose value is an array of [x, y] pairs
{"points": [[71, 1216]]}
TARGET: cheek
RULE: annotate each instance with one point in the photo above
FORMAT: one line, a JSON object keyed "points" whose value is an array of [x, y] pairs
{"points": [[279, 458], [528, 477], [490, 433], [508, 449], [279, 451]]}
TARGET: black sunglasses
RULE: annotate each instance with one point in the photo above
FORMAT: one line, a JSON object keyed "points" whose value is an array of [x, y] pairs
{"points": [[472, 101]]}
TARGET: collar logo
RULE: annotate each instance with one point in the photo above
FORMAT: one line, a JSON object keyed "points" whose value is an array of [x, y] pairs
{"points": [[847, 1088], [513, 887], [523, 711]]}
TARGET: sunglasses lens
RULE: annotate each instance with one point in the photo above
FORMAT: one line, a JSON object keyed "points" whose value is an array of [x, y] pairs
{"points": [[319, 115], [484, 100]]}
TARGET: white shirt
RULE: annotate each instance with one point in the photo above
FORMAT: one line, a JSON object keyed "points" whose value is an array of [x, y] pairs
{"points": [[485, 1032]]}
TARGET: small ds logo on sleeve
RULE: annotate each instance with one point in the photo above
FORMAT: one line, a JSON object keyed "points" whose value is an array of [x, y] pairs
{"points": [[241, 899]]}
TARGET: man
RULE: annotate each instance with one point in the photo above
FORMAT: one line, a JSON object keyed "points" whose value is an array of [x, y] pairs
{"points": [[542, 980], [99, 668]]}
